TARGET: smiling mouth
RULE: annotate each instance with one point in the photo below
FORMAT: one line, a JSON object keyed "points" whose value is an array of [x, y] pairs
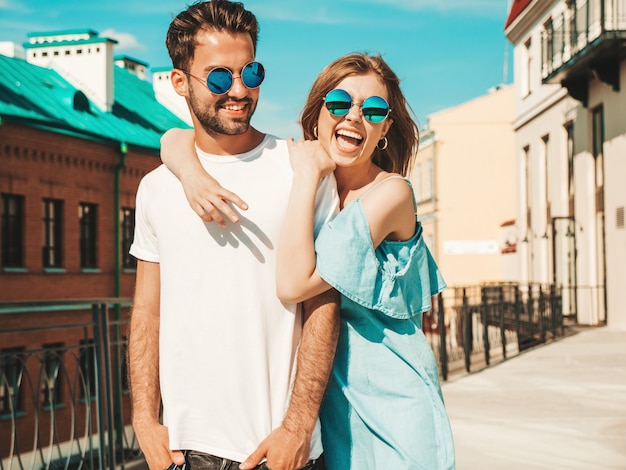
{"points": [[347, 139], [235, 107]]}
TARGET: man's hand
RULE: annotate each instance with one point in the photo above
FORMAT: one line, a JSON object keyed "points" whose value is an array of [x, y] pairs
{"points": [[284, 450], [154, 442]]}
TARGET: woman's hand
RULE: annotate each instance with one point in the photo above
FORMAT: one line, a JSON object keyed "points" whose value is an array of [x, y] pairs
{"points": [[308, 158], [209, 199]]}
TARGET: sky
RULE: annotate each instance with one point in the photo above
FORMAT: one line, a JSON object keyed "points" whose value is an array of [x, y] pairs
{"points": [[445, 52]]}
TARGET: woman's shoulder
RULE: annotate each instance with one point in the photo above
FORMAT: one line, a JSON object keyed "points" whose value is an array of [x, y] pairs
{"points": [[390, 187]]}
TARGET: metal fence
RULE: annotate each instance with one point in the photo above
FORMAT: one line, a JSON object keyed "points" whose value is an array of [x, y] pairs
{"points": [[472, 327], [582, 24], [64, 400]]}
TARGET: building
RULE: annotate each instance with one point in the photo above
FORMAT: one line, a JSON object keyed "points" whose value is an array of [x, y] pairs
{"points": [[570, 74], [464, 180], [78, 130], [72, 158]]}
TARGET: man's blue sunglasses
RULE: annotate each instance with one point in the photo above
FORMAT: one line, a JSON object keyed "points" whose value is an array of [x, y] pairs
{"points": [[339, 103], [220, 79]]}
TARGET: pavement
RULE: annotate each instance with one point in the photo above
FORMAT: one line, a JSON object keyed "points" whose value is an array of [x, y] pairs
{"points": [[557, 406]]}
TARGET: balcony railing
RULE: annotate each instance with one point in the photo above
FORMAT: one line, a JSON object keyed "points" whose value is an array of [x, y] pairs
{"points": [[63, 392], [64, 401], [584, 40], [475, 326]]}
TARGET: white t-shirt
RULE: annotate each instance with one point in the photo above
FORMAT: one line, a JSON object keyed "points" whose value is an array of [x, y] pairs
{"points": [[227, 344]]}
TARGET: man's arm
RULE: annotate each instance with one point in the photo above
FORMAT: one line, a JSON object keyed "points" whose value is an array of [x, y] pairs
{"points": [[143, 366], [287, 447]]}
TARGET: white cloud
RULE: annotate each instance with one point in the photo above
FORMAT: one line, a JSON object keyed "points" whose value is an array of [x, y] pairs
{"points": [[125, 41], [13, 6]]}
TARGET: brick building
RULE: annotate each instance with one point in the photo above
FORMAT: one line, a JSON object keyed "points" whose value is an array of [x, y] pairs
{"points": [[78, 130]]}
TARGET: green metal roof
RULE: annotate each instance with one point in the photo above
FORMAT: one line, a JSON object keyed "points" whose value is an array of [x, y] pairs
{"points": [[161, 69], [40, 97], [67, 42], [62, 32], [127, 57]]}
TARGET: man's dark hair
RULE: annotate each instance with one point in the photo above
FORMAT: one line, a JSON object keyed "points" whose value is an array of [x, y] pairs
{"points": [[217, 15]]}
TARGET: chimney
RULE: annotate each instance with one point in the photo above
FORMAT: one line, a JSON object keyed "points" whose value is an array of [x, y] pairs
{"points": [[167, 96], [82, 57], [10, 49], [134, 66]]}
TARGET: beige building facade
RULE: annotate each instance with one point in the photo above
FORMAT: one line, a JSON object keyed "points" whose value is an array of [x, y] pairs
{"points": [[464, 181], [570, 130]]}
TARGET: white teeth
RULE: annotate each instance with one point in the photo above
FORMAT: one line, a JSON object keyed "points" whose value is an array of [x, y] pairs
{"points": [[234, 107], [346, 133]]}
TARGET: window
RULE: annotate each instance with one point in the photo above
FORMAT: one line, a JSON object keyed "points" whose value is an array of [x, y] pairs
{"points": [[87, 362], [12, 231], [128, 232], [53, 233], [11, 370], [417, 181], [597, 122], [527, 64], [569, 129], [87, 216], [546, 178], [547, 47], [51, 380], [598, 131], [528, 187], [429, 179]]}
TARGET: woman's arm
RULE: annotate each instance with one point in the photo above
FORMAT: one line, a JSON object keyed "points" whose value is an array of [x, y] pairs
{"points": [[297, 278], [205, 195]]}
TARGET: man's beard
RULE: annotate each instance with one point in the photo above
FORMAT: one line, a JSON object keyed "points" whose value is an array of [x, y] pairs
{"points": [[213, 124]]}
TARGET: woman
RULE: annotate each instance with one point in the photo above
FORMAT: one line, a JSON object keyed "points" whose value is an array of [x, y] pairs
{"points": [[383, 407]]}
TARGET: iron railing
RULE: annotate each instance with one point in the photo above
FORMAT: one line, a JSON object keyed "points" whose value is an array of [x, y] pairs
{"points": [[63, 392], [472, 327], [64, 400], [583, 24]]}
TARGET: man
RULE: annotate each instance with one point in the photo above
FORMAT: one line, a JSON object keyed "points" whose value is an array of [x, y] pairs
{"points": [[208, 336]]}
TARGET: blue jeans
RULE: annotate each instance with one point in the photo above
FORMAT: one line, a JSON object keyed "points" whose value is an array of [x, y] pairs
{"points": [[200, 461]]}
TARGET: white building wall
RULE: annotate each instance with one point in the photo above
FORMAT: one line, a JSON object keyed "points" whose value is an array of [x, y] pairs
{"points": [[87, 66], [540, 181], [167, 96], [614, 104], [542, 112]]}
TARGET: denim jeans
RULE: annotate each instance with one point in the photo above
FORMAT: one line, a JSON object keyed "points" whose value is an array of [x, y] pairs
{"points": [[200, 461]]}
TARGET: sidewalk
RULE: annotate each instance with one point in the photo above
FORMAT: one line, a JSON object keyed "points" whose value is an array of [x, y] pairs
{"points": [[559, 406]]}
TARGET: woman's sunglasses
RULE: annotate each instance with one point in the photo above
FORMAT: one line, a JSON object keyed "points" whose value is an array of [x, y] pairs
{"points": [[220, 79], [339, 103]]}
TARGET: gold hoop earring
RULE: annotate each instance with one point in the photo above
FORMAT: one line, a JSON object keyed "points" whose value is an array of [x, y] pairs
{"points": [[315, 131], [385, 143]]}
